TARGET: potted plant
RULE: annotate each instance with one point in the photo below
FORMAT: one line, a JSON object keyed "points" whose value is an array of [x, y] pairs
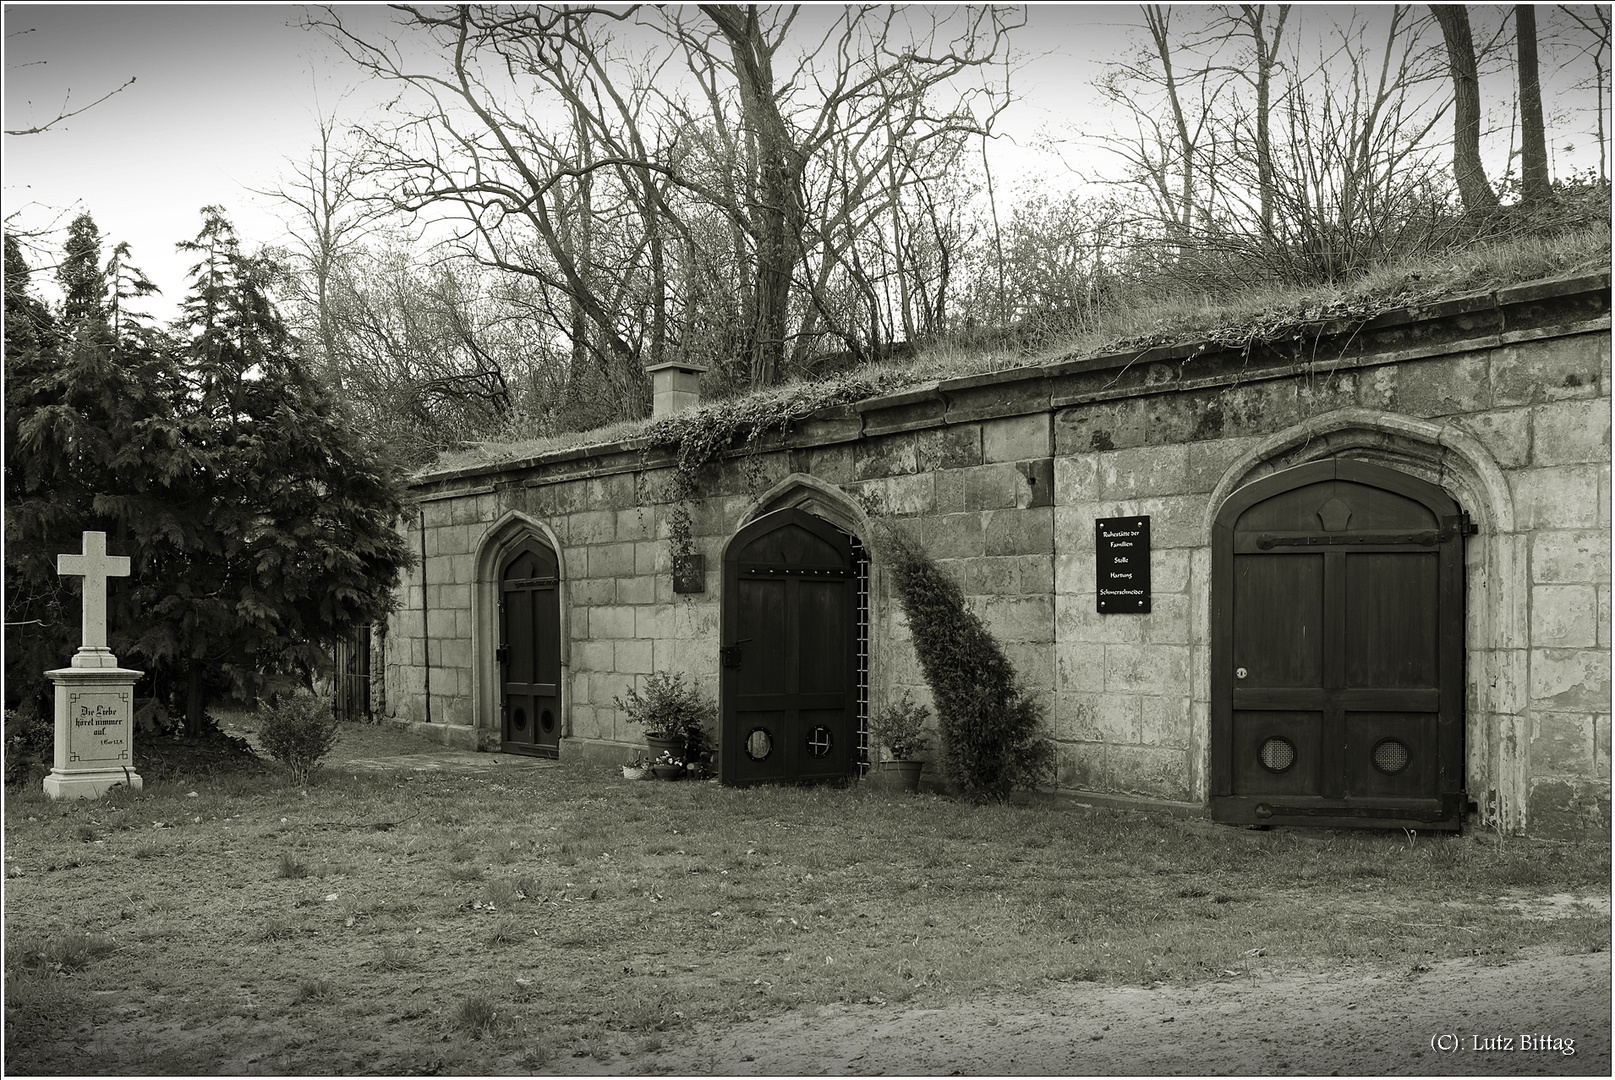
{"points": [[674, 715], [637, 769], [900, 730], [668, 766]]}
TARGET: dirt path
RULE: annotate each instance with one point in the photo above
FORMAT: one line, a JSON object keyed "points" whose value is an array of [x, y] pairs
{"points": [[1342, 1024]]}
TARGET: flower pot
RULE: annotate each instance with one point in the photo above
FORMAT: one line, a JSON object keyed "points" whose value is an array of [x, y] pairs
{"points": [[658, 744], [667, 772], [635, 772], [903, 775]]}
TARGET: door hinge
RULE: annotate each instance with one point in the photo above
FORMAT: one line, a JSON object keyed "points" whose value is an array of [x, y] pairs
{"points": [[1461, 522], [729, 655], [501, 655]]}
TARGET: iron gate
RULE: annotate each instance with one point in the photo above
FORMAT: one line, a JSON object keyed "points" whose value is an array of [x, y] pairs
{"points": [[352, 679]]}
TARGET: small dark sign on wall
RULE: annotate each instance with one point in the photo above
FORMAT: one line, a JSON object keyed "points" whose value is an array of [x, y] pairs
{"points": [[690, 573], [1122, 549]]}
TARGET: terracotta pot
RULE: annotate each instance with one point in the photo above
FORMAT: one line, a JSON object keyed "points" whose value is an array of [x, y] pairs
{"points": [[903, 775]]}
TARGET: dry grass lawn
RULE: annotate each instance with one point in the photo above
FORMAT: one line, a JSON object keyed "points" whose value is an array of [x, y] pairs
{"points": [[499, 916]]}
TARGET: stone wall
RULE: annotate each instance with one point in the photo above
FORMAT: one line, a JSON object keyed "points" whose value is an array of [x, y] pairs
{"points": [[1502, 399]]}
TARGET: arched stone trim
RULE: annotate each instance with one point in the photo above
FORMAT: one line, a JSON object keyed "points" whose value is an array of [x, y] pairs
{"points": [[1496, 633], [817, 497], [501, 538], [1445, 454]]}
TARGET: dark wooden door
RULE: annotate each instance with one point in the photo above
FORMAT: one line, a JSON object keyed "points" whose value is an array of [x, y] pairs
{"points": [[530, 652], [1337, 651], [789, 674]]}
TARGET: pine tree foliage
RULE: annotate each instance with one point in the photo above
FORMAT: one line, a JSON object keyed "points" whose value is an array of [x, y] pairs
{"points": [[84, 285], [990, 724], [259, 524]]}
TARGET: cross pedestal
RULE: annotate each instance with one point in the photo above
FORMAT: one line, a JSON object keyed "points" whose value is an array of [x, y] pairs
{"points": [[95, 720]]}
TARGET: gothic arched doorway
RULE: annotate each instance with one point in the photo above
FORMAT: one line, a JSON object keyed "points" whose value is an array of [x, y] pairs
{"points": [[1337, 631], [789, 686]]}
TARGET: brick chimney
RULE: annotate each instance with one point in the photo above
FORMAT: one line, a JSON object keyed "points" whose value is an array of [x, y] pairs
{"points": [[675, 386]]}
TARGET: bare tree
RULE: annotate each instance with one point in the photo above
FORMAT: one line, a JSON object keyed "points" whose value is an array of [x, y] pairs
{"points": [[563, 158], [1594, 21], [1467, 170], [1266, 48], [1535, 184], [65, 112], [329, 217]]}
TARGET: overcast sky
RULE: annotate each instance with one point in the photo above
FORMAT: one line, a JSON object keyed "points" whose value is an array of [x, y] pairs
{"points": [[225, 94]]}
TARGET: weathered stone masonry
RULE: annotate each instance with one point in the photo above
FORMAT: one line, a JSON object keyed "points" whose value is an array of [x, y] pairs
{"points": [[1501, 399]]}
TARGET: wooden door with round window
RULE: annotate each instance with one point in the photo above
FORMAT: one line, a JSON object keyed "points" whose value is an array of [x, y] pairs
{"points": [[1337, 651], [530, 651], [789, 654]]}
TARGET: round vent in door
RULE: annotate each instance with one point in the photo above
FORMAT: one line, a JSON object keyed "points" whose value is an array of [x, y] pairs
{"points": [[759, 744], [518, 719], [1390, 756], [547, 721], [1277, 754], [820, 740]]}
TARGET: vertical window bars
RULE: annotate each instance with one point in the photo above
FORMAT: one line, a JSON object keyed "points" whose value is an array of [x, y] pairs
{"points": [[353, 675], [861, 562]]}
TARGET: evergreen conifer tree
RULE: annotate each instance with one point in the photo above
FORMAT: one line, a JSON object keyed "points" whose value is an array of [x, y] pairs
{"points": [[84, 285], [259, 525]]}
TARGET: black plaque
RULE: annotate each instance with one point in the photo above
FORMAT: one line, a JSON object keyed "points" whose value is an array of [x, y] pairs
{"points": [[689, 573], [1122, 550]]}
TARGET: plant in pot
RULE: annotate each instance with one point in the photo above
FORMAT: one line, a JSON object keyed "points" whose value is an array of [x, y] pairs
{"points": [[668, 766], [673, 713], [900, 730]]}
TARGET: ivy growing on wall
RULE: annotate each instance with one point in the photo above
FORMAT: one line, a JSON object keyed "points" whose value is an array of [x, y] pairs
{"points": [[702, 435], [991, 726]]}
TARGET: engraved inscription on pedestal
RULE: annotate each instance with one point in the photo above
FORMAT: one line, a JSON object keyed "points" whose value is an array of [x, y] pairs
{"points": [[98, 727]]}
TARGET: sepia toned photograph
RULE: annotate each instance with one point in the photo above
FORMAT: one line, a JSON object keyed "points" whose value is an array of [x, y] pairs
{"points": [[807, 540]]}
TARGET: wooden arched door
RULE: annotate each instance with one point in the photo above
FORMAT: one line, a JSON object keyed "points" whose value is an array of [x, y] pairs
{"points": [[1337, 651], [789, 658], [530, 651]]}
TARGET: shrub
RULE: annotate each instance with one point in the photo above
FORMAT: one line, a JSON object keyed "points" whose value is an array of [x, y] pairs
{"points": [[990, 725], [900, 728], [669, 709], [30, 740], [298, 730]]}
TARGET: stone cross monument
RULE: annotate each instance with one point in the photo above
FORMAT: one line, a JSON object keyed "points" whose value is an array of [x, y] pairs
{"points": [[95, 723]]}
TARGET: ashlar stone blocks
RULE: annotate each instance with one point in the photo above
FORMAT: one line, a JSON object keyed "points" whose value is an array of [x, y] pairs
{"points": [[1128, 695]]}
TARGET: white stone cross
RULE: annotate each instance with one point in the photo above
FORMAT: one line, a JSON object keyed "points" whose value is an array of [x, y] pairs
{"points": [[94, 566]]}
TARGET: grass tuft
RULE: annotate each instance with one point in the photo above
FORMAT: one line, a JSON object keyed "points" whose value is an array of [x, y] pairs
{"points": [[506, 931], [475, 1016], [290, 867], [396, 958], [313, 992], [58, 954]]}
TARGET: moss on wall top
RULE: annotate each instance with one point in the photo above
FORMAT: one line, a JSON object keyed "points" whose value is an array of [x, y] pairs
{"points": [[1482, 280]]}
